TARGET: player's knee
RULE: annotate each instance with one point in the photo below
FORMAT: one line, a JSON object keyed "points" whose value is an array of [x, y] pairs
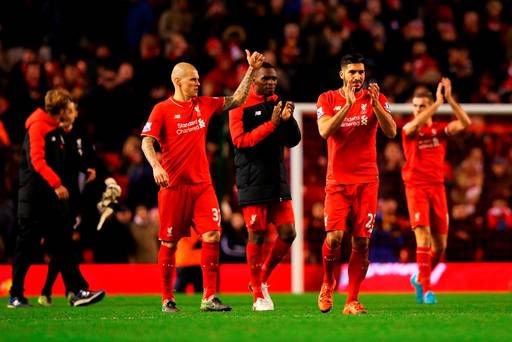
{"points": [[423, 237], [287, 233], [334, 239], [361, 244], [211, 236]]}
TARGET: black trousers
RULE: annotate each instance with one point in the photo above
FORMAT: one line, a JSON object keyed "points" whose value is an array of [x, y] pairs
{"points": [[57, 232]]}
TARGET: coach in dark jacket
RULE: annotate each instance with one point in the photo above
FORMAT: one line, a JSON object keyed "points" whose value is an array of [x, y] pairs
{"points": [[43, 204], [260, 131]]}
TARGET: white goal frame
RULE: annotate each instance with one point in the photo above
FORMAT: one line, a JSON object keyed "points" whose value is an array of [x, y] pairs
{"points": [[296, 174]]}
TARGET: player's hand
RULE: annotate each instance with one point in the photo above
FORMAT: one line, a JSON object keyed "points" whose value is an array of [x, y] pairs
{"points": [[439, 93], [91, 175], [276, 114], [350, 96], [255, 59], [287, 112], [62, 193], [447, 84], [161, 176], [374, 93]]}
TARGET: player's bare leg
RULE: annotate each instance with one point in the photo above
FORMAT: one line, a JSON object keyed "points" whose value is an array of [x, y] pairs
{"points": [[422, 282], [331, 256], [439, 243], [357, 268], [280, 247], [167, 263], [210, 268]]}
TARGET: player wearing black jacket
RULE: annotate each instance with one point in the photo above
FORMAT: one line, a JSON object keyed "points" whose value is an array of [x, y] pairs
{"points": [[260, 130]]}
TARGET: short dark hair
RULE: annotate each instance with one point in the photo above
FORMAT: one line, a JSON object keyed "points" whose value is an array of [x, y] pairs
{"points": [[267, 65], [351, 58], [423, 93]]}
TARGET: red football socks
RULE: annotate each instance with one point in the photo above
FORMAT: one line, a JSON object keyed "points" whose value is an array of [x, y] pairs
{"points": [[167, 262], [357, 268], [424, 264], [210, 268], [254, 260], [330, 260], [277, 253]]}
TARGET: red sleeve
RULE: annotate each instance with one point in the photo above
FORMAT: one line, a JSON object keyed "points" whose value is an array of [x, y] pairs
{"points": [[384, 102], [153, 127], [323, 107], [247, 139], [215, 104], [36, 134]]}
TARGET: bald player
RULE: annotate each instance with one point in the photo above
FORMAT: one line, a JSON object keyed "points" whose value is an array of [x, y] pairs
{"points": [[186, 197]]}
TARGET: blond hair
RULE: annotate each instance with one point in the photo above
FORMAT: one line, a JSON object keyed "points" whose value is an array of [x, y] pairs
{"points": [[56, 100]]}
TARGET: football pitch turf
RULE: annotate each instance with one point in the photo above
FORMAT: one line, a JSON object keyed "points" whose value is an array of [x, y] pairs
{"points": [[461, 317]]}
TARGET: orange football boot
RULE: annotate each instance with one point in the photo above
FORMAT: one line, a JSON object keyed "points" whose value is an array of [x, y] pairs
{"points": [[354, 308], [325, 297]]}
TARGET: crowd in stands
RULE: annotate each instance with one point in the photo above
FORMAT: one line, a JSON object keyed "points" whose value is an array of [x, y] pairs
{"points": [[116, 57]]}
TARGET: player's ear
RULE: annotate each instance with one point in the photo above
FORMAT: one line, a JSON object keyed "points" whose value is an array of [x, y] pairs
{"points": [[341, 73]]}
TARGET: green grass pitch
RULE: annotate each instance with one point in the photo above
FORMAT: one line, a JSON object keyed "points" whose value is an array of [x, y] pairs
{"points": [[458, 317]]}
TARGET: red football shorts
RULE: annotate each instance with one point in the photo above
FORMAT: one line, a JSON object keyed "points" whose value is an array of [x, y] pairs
{"points": [[427, 207], [357, 200], [259, 216], [184, 206]]}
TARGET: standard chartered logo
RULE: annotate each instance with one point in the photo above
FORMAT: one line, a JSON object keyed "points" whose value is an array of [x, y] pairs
{"points": [[353, 121], [190, 126]]}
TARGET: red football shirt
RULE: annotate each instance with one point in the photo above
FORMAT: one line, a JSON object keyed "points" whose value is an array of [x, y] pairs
{"points": [[180, 128], [352, 148], [424, 155]]}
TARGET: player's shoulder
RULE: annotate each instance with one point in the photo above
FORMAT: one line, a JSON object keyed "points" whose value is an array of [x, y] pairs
{"points": [[329, 98], [329, 94], [164, 104]]}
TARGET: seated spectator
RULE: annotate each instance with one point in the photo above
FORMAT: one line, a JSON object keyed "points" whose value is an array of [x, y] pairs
{"points": [[499, 215]]}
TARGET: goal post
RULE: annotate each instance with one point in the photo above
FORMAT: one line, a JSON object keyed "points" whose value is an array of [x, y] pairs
{"points": [[296, 173]]}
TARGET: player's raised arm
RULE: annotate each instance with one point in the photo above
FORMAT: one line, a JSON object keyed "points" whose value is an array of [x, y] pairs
{"points": [[385, 119], [160, 175], [327, 125], [424, 110], [255, 61], [463, 121]]}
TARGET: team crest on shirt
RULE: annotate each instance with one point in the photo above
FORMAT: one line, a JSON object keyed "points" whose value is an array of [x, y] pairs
{"points": [[147, 127], [387, 107], [198, 111], [319, 112], [337, 108], [364, 106]]}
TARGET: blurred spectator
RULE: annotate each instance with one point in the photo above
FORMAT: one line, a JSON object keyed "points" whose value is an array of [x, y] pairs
{"points": [[499, 215], [188, 264], [469, 179], [315, 234], [116, 85], [233, 239], [144, 232], [386, 240]]}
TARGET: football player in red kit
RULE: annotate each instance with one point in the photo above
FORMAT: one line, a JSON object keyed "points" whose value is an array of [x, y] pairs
{"points": [[348, 118], [424, 143], [186, 197]]}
